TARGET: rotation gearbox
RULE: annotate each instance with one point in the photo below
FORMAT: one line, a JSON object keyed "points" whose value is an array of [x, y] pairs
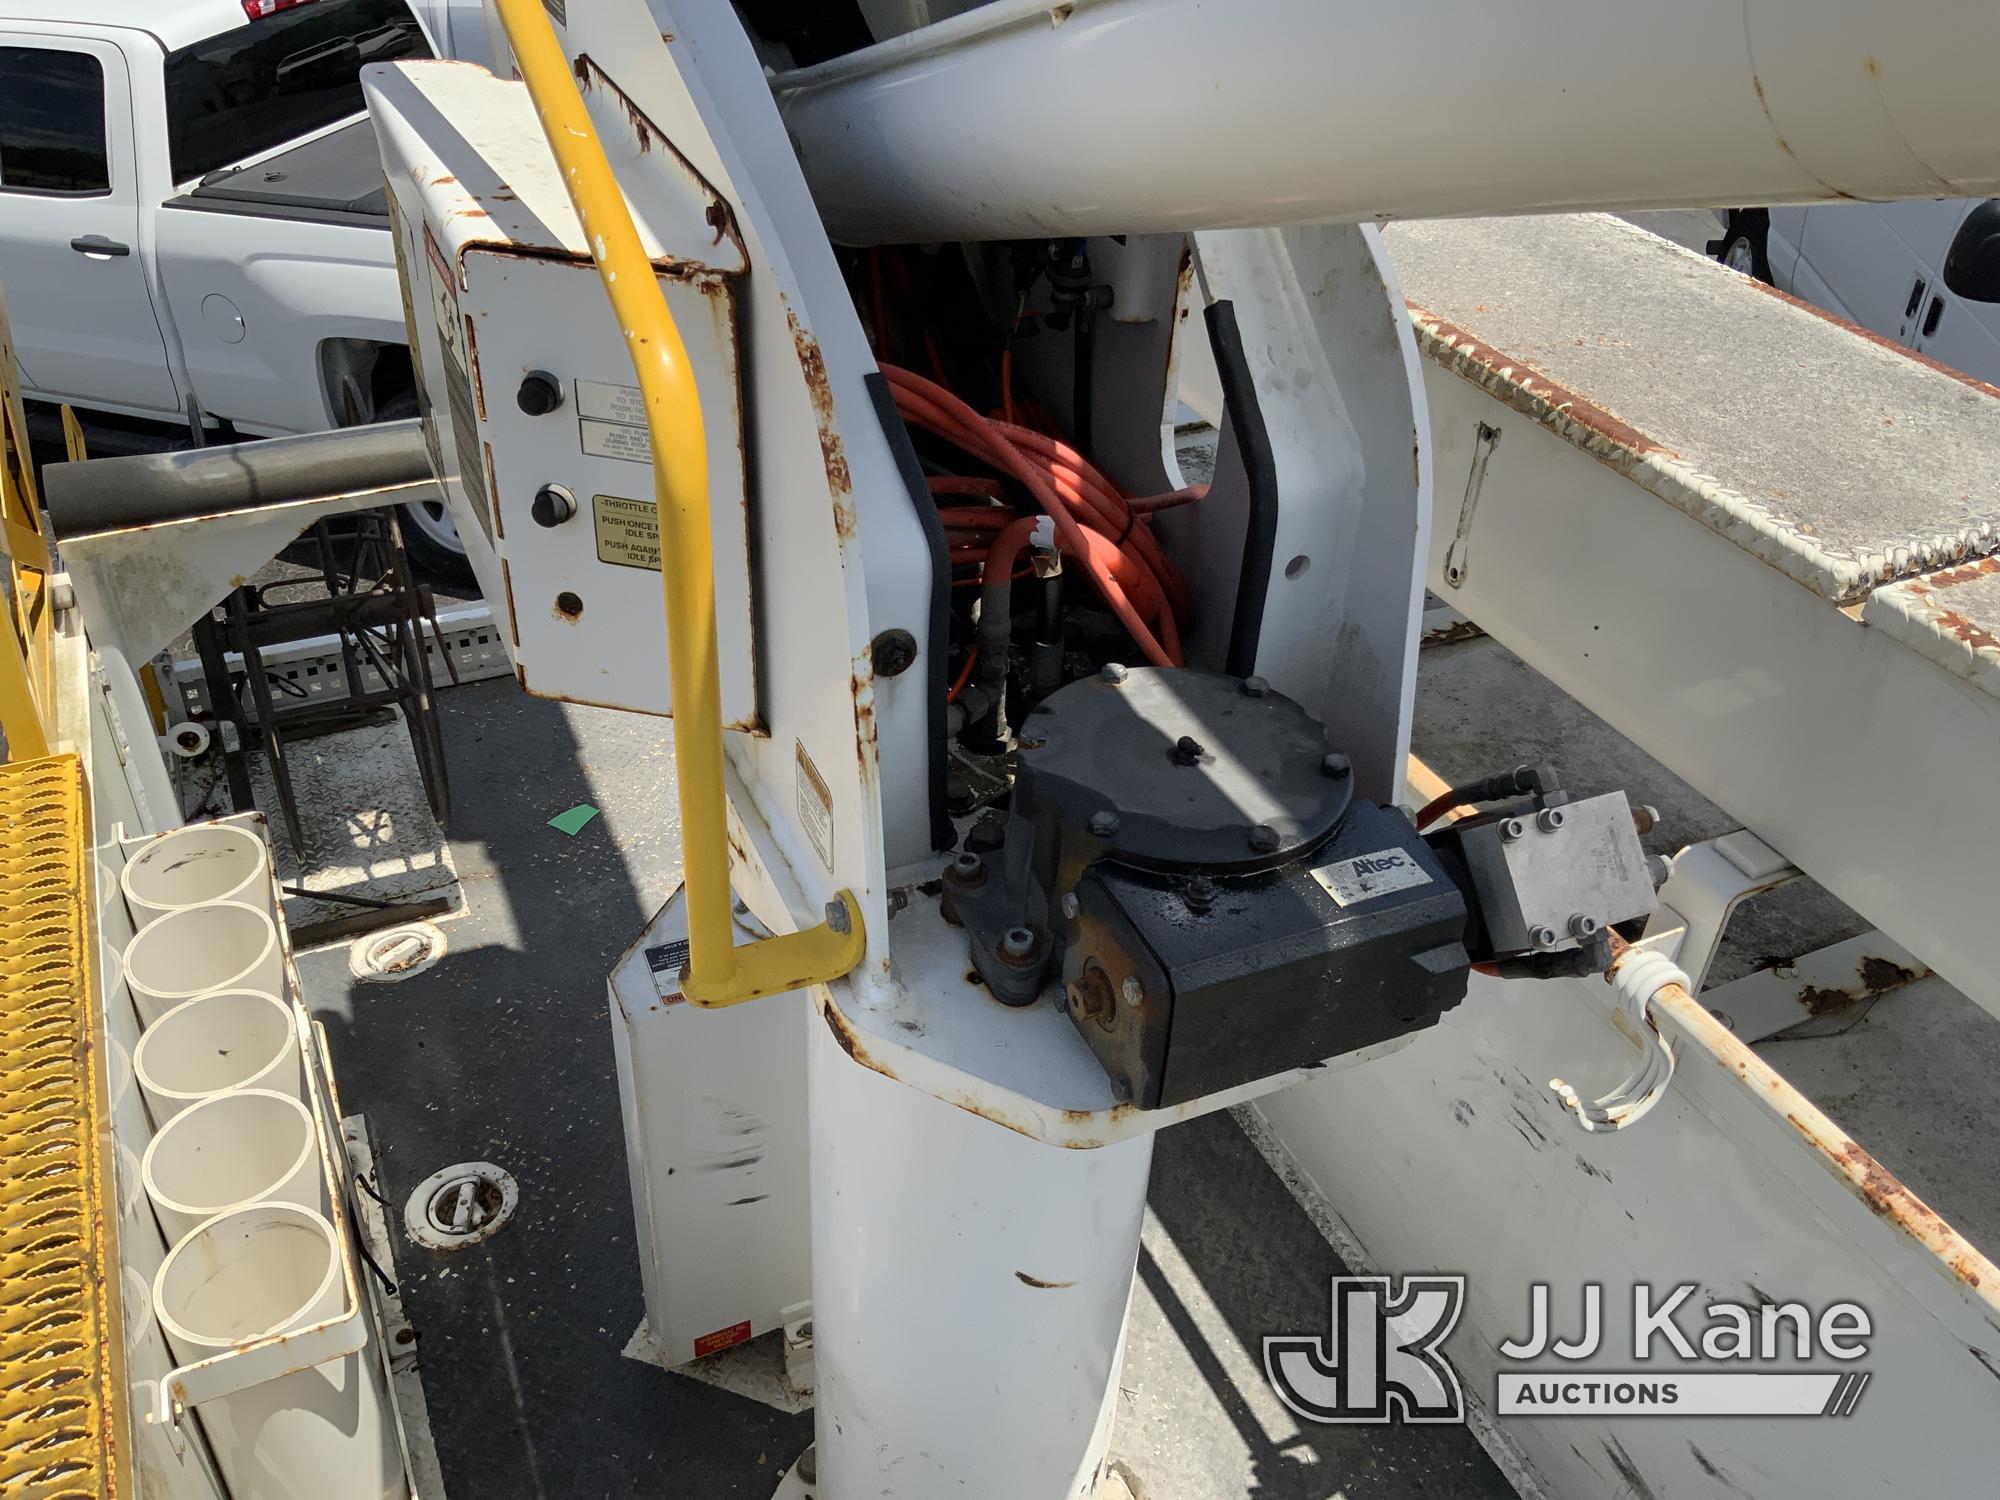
{"points": [[1186, 871]]}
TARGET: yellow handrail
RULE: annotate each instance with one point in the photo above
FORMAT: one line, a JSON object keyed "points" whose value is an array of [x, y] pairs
{"points": [[718, 972]]}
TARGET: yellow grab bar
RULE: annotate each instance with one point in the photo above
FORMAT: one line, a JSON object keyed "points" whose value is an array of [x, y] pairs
{"points": [[718, 972]]}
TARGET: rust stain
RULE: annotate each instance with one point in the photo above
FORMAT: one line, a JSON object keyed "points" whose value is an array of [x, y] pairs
{"points": [[861, 684], [812, 364], [647, 135], [1573, 416], [1974, 635], [1867, 1178], [1035, 1281], [1877, 975], [1951, 578], [1880, 975], [1871, 67]]}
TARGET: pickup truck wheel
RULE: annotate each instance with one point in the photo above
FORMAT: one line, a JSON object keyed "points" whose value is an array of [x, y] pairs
{"points": [[429, 537], [1746, 242], [432, 542]]}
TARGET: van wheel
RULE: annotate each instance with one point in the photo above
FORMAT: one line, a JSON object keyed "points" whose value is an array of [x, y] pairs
{"points": [[1746, 242], [429, 537]]}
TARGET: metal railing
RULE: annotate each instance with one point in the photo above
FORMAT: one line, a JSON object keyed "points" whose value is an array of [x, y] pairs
{"points": [[718, 972]]}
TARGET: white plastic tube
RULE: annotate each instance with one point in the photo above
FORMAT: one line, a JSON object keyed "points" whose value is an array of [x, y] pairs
{"points": [[195, 865], [318, 1434], [226, 1039], [224, 945], [229, 1151]]}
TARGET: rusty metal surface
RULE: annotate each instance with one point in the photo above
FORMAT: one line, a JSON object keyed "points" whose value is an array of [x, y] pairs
{"points": [[1692, 1026], [1686, 379], [1951, 616], [62, 1407]]}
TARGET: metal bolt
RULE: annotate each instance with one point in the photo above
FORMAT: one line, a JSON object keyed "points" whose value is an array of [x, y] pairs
{"points": [[1645, 818], [1544, 937], [1200, 894], [1104, 824], [1133, 991], [836, 916], [1070, 905], [1336, 765], [1113, 672], [1017, 944], [1512, 829], [1264, 839], [1188, 750], [987, 835], [1583, 925], [893, 653], [967, 870], [1256, 687], [1549, 819]]}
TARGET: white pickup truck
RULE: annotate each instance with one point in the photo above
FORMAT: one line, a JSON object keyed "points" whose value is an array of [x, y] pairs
{"points": [[193, 222]]}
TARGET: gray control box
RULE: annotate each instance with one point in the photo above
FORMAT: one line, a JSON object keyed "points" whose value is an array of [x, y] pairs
{"points": [[1544, 878]]}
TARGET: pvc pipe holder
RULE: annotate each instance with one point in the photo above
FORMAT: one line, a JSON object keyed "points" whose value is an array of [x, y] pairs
{"points": [[290, 1350]]}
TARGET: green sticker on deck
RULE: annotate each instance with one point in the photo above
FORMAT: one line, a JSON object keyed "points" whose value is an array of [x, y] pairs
{"points": [[628, 531]]}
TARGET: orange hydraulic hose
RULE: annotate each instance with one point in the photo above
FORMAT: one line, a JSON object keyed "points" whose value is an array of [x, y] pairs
{"points": [[979, 436]]}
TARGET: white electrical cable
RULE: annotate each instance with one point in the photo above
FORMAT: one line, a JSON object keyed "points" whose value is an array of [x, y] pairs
{"points": [[1638, 977]]}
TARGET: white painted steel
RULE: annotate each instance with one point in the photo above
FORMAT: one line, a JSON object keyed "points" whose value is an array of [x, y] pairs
{"points": [[714, 1105], [969, 1294], [226, 1039], [1709, 881], [1743, 686], [501, 275], [1132, 116], [1319, 311], [325, 1433], [223, 945], [195, 865], [1452, 1156], [228, 1151]]}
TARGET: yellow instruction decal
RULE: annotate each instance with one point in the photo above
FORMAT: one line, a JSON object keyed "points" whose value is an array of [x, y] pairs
{"points": [[628, 531]]}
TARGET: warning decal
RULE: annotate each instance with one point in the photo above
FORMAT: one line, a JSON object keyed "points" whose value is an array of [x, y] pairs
{"points": [[722, 1338], [815, 804], [628, 531]]}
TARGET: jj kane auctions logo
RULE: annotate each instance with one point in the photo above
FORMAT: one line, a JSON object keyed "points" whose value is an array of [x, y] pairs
{"points": [[1380, 1358]]}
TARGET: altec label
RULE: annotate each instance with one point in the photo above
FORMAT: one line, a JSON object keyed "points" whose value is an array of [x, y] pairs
{"points": [[1350, 881]]}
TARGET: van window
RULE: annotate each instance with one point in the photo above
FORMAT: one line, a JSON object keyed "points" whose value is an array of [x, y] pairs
{"points": [[283, 76], [52, 122]]}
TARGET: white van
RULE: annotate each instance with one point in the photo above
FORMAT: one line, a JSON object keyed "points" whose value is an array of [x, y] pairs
{"points": [[1925, 273]]}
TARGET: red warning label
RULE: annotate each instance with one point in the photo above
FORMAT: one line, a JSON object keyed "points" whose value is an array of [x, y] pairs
{"points": [[722, 1338]]}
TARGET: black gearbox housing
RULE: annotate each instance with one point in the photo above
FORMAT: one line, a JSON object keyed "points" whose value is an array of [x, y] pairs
{"points": [[1185, 859]]}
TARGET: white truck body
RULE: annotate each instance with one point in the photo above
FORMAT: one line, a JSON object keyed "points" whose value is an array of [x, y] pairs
{"points": [[1881, 265], [141, 284]]}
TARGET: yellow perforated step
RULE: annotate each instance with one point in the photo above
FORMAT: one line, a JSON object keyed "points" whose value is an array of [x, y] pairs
{"points": [[60, 1423]]}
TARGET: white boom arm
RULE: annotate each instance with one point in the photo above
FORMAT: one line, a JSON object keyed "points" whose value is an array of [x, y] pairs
{"points": [[1131, 116]]}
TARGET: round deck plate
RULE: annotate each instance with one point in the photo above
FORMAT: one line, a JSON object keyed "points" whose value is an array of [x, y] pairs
{"points": [[1191, 764]]}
